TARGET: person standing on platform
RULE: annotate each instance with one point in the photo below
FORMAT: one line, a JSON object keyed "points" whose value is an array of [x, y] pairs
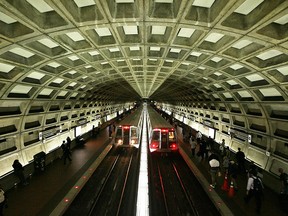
{"points": [[63, 147], [110, 130], [222, 148], [68, 143], [214, 168], [198, 137], [66, 154], [19, 172], [240, 157], [284, 181], [233, 172], [254, 189], [2, 201], [192, 145], [210, 143]]}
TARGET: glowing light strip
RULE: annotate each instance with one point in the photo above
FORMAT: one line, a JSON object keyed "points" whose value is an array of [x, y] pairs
{"points": [[72, 193], [143, 193]]}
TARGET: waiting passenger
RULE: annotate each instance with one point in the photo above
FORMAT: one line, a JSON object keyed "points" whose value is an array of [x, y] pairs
{"points": [[254, 189], [284, 181], [68, 144], [19, 172], [202, 150], [225, 164], [66, 154], [192, 145], [227, 151], [63, 147], [233, 172], [240, 157], [110, 130], [214, 170], [210, 143], [222, 148], [198, 137]]}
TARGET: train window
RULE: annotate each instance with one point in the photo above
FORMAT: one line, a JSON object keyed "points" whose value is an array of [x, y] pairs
{"points": [[156, 135], [133, 132], [119, 132], [171, 136]]}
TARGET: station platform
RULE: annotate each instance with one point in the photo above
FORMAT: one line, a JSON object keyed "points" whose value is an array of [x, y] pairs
{"points": [[236, 203], [46, 190]]}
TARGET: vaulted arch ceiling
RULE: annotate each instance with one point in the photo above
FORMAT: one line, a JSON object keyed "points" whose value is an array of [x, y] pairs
{"points": [[230, 53]]}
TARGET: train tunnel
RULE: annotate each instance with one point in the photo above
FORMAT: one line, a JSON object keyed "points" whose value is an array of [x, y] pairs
{"points": [[218, 66]]}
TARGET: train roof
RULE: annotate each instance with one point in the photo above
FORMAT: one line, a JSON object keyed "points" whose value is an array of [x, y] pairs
{"points": [[133, 118], [157, 121]]}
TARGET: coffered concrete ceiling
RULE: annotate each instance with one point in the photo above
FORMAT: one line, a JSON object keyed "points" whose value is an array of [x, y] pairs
{"points": [[127, 49], [225, 55]]}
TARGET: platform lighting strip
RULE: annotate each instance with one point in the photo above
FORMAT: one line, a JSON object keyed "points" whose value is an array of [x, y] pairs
{"points": [[72, 193], [143, 194]]}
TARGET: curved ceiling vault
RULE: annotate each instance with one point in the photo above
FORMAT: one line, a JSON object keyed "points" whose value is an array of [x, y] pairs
{"points": [[225, 53]]}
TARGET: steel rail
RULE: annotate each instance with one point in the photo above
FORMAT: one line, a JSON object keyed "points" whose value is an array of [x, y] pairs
{"points": [[124, 187], [191, 203], [163, 191], [95, 201]]}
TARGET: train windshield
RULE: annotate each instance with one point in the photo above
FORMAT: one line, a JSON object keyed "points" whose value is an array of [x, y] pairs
{"points": [[156, 136], [118, 132], [172, 137], [134, 132]]}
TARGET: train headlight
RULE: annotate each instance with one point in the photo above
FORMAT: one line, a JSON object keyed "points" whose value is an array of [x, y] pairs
{"points": [[134, 141], [154, 145], [173, 146], [120, 141]]}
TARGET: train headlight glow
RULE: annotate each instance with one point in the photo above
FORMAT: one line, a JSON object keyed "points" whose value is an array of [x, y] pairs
{"points": [[154, 145], [173, 146], [120, 141]]}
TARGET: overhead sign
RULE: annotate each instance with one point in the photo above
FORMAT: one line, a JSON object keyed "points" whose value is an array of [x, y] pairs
{"points": [[208, 123], [82, 121], [191, 117], [49, 132], [240, 135]]}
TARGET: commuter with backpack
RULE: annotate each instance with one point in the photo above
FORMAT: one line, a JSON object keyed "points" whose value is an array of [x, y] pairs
{"points": [[254, 189]]}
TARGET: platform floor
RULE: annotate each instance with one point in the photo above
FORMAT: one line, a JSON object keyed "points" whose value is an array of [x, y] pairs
{"points": [[270, 200], [47, 189]]}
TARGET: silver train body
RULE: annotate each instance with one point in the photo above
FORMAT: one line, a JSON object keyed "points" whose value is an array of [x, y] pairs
{"points": [[162, 135], [128, 131]]}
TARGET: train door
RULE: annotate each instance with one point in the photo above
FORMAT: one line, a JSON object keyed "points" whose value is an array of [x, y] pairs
{"points": [[172, 140], [126, 135], [134, 135], [164, 139], [118, 136], [155, 140]]}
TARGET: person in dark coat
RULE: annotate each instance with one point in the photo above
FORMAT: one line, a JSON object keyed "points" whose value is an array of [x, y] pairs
{"points": [[233, 172], [19, 172], [66, 154], [240, 157], [110, 130], [68, 142]]}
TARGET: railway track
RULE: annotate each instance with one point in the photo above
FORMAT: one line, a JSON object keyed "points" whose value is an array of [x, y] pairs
{"points": [[109, 188], [177, 191]]}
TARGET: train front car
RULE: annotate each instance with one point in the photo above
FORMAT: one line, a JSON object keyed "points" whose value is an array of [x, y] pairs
{"points": [[128, 131], [162, 135]]}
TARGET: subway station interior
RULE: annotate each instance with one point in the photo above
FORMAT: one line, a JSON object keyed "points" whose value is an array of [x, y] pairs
{"points": [[69, 66]]}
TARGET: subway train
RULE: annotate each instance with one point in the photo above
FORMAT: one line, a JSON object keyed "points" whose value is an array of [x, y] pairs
{"points": [[128, 131], [162, 135]]}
